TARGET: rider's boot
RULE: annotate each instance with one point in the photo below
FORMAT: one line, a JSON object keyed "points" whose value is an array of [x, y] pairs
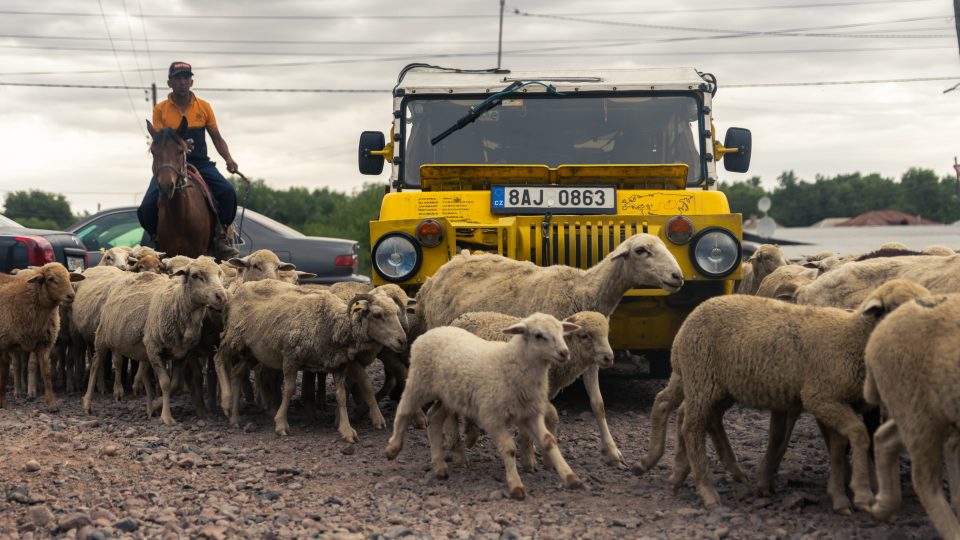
{"points": [[222, 248]]}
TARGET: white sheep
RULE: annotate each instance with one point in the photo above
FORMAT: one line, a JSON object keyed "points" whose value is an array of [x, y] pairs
{"points": [[782, 355], [589, 351], [116, 257], [155, 320], [30, 320], [499, 385], [938, 249], [848, 285], [913, 371], [496, 283], [761, 264], [283, 327], [91, 295], [259, 265]]}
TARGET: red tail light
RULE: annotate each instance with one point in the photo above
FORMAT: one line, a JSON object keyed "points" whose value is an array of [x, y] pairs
{"points": [[346, 261], [39, 250]]}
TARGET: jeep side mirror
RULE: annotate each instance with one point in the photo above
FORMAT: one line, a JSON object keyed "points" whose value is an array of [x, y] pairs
{"points": [[738, 143], [371, 154]]}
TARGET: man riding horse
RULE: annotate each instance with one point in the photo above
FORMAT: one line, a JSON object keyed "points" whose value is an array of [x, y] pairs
{"points": [[181, 104]]}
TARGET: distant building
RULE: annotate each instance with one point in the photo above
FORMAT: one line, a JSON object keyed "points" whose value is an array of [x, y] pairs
{"points": [[882, 218], [831, 222]]}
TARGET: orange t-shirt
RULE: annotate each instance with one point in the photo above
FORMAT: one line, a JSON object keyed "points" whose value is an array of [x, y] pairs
{"points": [[199, 117]]}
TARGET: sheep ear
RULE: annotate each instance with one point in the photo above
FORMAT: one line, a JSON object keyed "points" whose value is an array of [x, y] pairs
{"points": [[180, 271], [873, 308], [305, 275], [77, 277], [132, 260], [287, 267], [620, 253], [359, 305], [36, 278], [237, 262], [516, 329], [569, 327]]}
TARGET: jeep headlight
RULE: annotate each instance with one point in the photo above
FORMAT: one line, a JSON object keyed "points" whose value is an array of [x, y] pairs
{"points": [[396, 256], [715, 252]]}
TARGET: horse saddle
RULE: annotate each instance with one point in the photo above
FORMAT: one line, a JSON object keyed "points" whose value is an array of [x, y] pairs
{"points": [[193, 175]]}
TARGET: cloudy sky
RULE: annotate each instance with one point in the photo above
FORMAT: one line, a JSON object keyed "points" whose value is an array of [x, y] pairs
{"points": [[90, 144]]}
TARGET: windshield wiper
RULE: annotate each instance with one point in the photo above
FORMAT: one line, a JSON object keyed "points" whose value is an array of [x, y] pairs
{"points": [[476, 111]]}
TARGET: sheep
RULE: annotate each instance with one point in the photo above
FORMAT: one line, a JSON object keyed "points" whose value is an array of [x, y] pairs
{"points": [[913, 371], [157, 320], [282, 327], [894, 245], [147, 263], [172, 264], [261, 264], [784, 282], [848, 285], [783, 356], [589, 351], [115, 256], [295, 276], [30, 320], [496, 283], [765, 260], [91, 295], [497, 384]]}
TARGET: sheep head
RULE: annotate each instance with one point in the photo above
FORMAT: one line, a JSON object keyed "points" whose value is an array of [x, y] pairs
{"points": [[378, 317], [543, 335], [889, 297], [203, 280], [56, 283], [592, 339], [648, 262], [261, 264]]}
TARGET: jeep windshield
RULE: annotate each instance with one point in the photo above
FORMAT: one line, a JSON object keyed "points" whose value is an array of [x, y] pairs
{"points": [[556, 130]]}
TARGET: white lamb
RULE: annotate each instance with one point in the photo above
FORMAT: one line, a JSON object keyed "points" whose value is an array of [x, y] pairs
{"points": [[500, 385]]}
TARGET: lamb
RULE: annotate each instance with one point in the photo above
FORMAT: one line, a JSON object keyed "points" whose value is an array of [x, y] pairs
{"points": [[848, 285], [172, 264], [783, 355], [115, 256], [495, 283], [499, 385], [320, 333], [261, 264], [761, 264], [589, 351], [147, 263], [30, 320], [157, 320], [913, 371]]}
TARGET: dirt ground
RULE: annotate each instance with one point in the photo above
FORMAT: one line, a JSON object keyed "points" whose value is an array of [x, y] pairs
{"points": [[119, 474]]}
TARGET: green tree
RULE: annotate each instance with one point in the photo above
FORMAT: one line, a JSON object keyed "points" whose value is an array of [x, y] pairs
{"points": [[38, 209]]}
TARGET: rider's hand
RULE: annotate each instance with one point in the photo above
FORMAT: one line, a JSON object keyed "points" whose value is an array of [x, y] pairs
{"points": [[232, 166]]}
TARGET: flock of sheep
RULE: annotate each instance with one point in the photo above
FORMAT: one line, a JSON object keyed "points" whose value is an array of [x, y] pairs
{"points": [[489, 341]]}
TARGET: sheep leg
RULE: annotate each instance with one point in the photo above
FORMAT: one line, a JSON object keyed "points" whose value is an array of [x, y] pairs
{"points": [[952, 459], [17, 379], [32, 374], [102, 379], [508, 453], [343, 421], [841, 418], [609, 452], [667, 401], [407, 410], [721, 443], [148, 388], [248, 392], [362, 381], [537, 429], [454, 442], [238, 372], [117, 378], [195, 384], [321, 390], [289, 387], [887, 446], [223, 381], [4, 374], [697, 416], [528, 455], [158, 364], [43, 357], [99, 356], [681, 463], [211, 387], [836, 478], [435, 422], [308, 393], [394, 372], [139, 385], [925, 445], [778, 438]]}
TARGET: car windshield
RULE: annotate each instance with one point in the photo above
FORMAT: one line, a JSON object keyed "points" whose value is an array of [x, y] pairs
{"points": [[7, 222], [112, 230], [551, 130], [273, 225]]}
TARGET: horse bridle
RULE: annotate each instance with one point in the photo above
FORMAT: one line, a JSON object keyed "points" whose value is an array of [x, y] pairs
{"points": [[180, 171]]}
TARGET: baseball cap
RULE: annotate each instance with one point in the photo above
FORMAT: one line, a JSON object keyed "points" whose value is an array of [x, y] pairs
{"points": [[177, 68]]}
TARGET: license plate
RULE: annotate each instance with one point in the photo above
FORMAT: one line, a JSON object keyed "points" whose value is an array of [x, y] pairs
{"points": [[74, 263], [553, 199]]}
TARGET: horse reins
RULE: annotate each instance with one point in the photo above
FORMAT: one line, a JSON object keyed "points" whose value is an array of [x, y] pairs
{"points": [[180, 171]]}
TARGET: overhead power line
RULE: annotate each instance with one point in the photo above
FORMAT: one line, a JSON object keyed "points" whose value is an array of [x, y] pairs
{"points": [[387, 90], [120, 68]]}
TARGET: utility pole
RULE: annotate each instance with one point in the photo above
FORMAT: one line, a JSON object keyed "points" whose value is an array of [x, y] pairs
{"points": [[500, 38], [153, 88], [956, 168]]}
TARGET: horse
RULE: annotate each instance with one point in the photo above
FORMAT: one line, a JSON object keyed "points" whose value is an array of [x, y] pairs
{"points": [[186, 223]]}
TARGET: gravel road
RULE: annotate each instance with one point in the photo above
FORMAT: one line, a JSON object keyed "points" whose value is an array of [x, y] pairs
{"points": [[120, 474]]}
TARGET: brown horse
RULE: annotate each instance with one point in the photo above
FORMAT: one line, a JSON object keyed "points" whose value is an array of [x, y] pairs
{"points": [[186, 224]]}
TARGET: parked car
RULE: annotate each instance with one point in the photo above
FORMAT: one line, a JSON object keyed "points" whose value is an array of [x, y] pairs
{"points": [[21, 247], [332, 259]]}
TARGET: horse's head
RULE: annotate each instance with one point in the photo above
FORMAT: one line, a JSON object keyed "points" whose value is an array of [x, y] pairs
{"points": [[169, 151]]}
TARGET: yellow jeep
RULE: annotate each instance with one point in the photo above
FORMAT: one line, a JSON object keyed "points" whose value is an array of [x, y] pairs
{"points": [[559, 168]]}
